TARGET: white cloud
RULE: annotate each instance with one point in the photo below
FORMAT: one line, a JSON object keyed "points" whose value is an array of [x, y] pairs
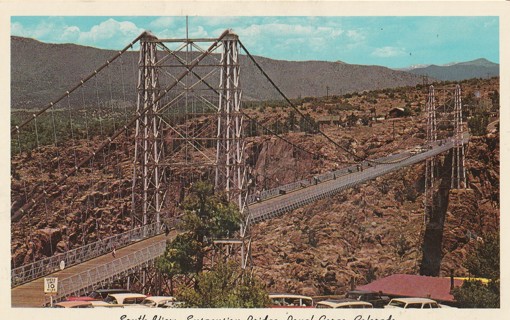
{"points": [[17, 29], [107, 34], [355, 35], [163, 22], [215, 21], [386, 52], [70, 33], [41, 31], [120, 32], [285, 30]]}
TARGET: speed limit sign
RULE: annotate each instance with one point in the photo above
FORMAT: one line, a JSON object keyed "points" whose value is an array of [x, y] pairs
{"points": [[50, 285]]}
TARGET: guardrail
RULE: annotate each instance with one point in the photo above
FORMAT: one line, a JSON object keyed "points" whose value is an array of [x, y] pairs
{"points": [[267, 210], [278, 191], [81, 283], [72, 257]]}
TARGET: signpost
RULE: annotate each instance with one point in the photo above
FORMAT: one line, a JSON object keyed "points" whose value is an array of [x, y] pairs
{"points": [[51, 288]]}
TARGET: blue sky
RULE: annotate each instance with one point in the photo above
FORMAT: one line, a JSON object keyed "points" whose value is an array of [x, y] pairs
{"points": [[388, 41]]}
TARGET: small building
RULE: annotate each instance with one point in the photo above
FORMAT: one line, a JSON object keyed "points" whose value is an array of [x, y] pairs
{"points": [[415, 286], [328, 120], [396, 113]]}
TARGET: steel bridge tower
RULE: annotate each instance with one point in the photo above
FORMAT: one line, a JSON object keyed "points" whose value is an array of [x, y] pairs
{"points": [[230, 176], [458, 165], [148, 187], [182, 109], [431, 162]]}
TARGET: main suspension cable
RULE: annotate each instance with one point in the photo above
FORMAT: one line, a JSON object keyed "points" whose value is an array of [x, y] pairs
{"points": [[93, 74], [293, 106], [19, 213], [361, 159], [252, 119]]}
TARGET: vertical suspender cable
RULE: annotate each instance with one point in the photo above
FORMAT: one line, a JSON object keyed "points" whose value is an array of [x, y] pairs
{"points": [[130, 45]]}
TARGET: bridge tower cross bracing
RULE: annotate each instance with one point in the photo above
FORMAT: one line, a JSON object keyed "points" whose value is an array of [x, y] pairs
{"points": [[148, 185], [458, 180], [431, 162], [230, 175]]}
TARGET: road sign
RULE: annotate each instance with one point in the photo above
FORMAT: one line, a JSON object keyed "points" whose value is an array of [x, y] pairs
{"points": [[50, 285]]}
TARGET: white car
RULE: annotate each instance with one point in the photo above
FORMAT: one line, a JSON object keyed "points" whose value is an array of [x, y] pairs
{"points": [[102, 304], [125, 298], [285, 300], [160, 302], [412, 303], [344, 304]]}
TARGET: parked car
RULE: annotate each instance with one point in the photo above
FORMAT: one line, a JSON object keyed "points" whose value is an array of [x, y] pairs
{"points": [[102, 304], [97, 295], [73, 304], [160, 302], [125, 298], [375, 298], [344, 304], [412, 303], [285, 300]]}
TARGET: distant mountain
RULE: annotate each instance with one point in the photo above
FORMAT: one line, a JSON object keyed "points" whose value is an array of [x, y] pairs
{"points": [[412, 67], [41, 72], [479, 68]]}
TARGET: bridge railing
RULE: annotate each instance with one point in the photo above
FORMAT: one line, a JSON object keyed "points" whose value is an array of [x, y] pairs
{"points": [[331, 175], [72, 257], [269, 210], [81, 283]]}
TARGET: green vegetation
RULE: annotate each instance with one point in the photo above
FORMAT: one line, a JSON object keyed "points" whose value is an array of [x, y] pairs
{"points": [[225, 287], [209, 216], [206, 216], [60, 125], [475, 294], [478, 123], [482, 262]]}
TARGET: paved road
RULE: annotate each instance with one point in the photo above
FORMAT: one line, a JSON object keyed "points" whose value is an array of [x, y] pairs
{"points": [[32, 295]]}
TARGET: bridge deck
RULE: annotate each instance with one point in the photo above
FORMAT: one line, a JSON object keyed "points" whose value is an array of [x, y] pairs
{"points": [[32, 294]]}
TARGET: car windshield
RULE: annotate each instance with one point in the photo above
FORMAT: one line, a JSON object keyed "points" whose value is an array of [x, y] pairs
{"points": [[354, 296], [111, 300], [148, 302], [398, 304]]}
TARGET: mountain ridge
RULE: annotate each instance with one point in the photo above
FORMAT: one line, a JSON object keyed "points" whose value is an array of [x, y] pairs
{"points": [[478, 68], [37, 79]]}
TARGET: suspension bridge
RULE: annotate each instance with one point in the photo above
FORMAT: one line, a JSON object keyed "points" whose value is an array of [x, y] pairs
{"points": [[186, 128]]}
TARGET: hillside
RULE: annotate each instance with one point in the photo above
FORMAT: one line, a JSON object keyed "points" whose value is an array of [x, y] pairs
{"points": [[480, 68], [364, 233], [41, 72]]}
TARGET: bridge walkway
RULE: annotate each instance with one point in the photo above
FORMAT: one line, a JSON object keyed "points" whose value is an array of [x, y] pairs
{"points": [[77, 279], [32, 294]]}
